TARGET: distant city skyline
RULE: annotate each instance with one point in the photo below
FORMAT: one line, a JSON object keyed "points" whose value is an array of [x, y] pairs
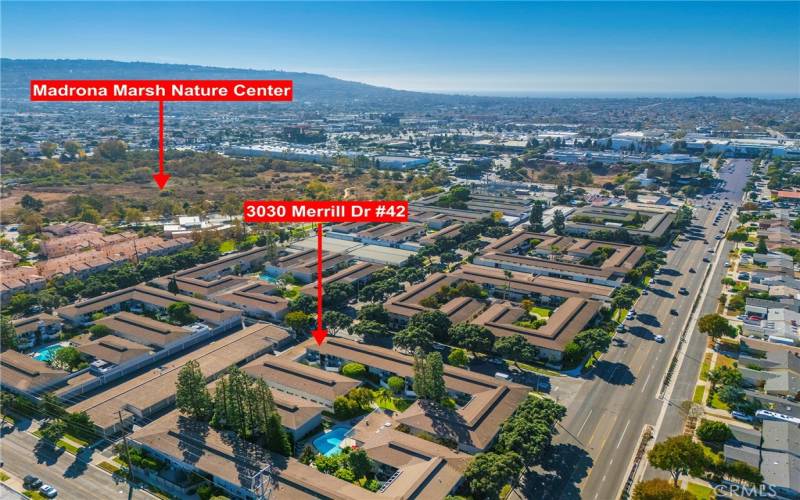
{"points": [[537, 49]]}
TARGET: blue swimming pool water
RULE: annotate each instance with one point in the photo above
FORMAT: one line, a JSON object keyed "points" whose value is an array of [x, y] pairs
{"points": [[268, 278], [47, 353], [328, 443]]}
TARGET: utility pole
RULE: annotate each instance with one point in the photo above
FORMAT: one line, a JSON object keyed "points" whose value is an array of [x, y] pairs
{"points": [[125, 442]]}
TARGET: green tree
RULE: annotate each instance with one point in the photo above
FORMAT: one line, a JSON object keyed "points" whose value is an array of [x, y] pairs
{"points": [[593, 340], [90, 215], [714, 431], [354, 370], [67, 358], [100, 330], [458, 357], [112, 150], [411, 339], [429, 376], [715, 326], [659, 489], [28, 202], [191, 395], [48, 149], [488, 473], [537, 216], [396, 384], [298, 321], [374, 312], [678, 455], [72, 148], [133, 215], [435, 322], [762, 245], [516, 348], [172, 286], [529, 431], [559, 222], [335, 321], [359, 463], [51, 406], [8, 335], [181, 313], [474, 338], [369, 329]]}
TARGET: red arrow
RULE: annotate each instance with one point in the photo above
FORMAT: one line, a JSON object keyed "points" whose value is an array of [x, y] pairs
{"points": [[161, 178], [320, 333]]}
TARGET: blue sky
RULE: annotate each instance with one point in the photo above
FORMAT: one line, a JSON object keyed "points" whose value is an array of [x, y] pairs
{"points": [[546, 48]]}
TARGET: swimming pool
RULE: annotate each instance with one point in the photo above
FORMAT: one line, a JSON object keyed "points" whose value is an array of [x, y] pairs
{"points": [[328, 443], [268, 278], [47, 353]]}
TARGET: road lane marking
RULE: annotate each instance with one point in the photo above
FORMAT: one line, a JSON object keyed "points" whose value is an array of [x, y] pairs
{"points": [[623, 434], [584, 422], [646, 381]]}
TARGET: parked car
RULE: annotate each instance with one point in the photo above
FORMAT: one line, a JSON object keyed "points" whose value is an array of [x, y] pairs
{"points": [[744, 417], [48, 491], [683, 291], [31, 482], [659, 339]]}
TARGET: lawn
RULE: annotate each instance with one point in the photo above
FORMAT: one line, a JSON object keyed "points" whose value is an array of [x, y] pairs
{"points": [[393, 404], [541, 312], [719, 405], [723, 360], [35, 495], [108, 467], [4, 476], [67, 446], [706, 366], [227, 246], [533, 368], [699, 391], [700, 491], [619, 315], [9, 419]]}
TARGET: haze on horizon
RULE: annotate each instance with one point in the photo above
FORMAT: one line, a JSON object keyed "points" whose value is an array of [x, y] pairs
{"points": [[600, 49]]}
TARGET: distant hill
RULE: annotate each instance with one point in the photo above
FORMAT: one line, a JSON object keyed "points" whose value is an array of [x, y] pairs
{"points": [[16, 74]]}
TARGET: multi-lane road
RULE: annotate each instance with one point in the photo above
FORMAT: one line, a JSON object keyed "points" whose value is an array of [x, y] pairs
{"points": [[595, 446], [23, 454]]}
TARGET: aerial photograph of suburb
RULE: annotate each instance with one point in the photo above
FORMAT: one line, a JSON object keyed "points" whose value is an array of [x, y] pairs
{"points": [[399, 250]]}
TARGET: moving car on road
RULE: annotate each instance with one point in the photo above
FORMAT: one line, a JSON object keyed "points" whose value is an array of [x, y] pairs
{"points": [[659, 339]]}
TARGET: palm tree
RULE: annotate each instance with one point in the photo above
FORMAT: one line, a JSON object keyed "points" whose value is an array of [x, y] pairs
{"points": [[508, 276]]}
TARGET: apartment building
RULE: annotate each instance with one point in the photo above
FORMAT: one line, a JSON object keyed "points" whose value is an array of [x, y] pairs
{"points": [[35, 329]]}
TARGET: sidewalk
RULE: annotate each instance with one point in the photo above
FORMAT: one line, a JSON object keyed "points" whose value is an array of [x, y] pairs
{"points": [[13, 482]]}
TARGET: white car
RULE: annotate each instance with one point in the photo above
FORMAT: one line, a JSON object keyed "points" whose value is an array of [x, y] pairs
{"points": [[659, 339], [48, 491]]}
